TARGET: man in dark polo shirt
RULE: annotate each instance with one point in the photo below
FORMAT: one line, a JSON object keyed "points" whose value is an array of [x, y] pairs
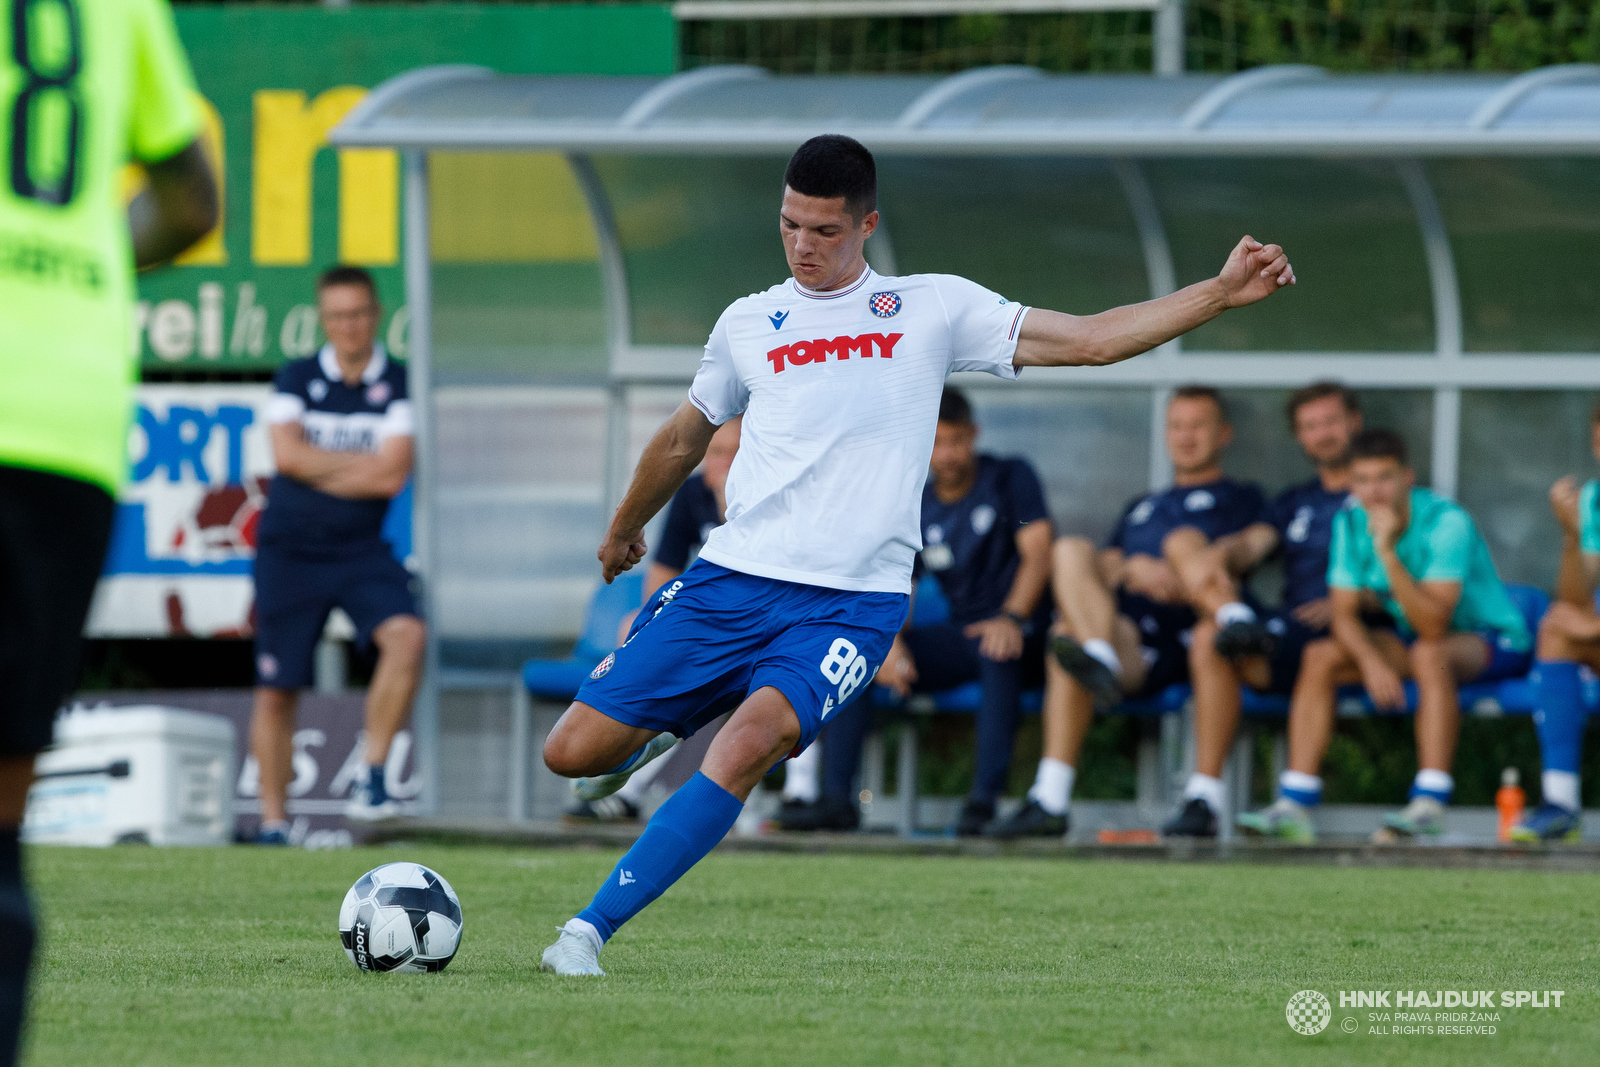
{"points": [[342, 440], [986, 537]]}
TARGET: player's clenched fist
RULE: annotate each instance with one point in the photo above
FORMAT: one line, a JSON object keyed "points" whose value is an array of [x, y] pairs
{"points": [[1254, 271], [620, 553]]}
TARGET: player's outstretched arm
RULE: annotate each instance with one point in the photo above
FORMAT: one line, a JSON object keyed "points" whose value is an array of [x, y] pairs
{"points": [[1254, 271], [178, 208], [670, 457]]}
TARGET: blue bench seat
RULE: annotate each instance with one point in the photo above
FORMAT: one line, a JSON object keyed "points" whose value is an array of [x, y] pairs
{"points": [[559, 679]]}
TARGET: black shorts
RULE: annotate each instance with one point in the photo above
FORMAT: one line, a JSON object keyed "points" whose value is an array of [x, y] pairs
{"points": [[1164, 631], [1293, 637], [53, 536], [295, 592]]}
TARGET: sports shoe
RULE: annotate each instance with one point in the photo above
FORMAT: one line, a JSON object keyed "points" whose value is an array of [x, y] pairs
{"points": [[1194, 819], [824, 813], [1241, 640], [1030, 820], [362, 809], [274, 838], [1283, 819], [1424, 816], [575, 953], [1089, 672], [975, 815], [606, 809], [1548, 822], [603, 785]]}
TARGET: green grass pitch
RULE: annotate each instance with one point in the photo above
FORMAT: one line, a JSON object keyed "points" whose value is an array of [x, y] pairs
{"points": [[231, 957]]}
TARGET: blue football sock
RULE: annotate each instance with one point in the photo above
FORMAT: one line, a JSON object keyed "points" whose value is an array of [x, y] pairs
{"points": [[1559, 717], [685, 828], [1304, 789], [1434, 783], [376, 790]]}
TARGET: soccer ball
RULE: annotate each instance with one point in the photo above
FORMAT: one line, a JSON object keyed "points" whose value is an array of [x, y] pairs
{"points": [[400, 917]]}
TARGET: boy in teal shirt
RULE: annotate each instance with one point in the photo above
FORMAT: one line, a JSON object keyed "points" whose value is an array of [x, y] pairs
{"points": [[1569, 638], [1414, 560]]}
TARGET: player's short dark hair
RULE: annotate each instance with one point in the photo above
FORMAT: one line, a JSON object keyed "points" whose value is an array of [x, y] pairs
{"points": [[1378, 444], [1318, 391], [954, 407], [342, 274], [1203, 392], [832, 165]]}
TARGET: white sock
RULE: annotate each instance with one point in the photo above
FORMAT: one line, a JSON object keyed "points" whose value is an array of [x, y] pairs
{"points": [[1560, 787], [1435, 781], [1209, 789], [1052, 786], [586, 928], [800, 776], [1102, 651], [1234, 612]]}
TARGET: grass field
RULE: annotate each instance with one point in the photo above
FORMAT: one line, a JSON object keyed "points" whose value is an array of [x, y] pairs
{"points": [[231, 957]]}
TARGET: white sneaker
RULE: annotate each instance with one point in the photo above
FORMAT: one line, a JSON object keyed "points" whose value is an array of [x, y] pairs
{"points": [[603, 785], [361, 808], [575, 953]]}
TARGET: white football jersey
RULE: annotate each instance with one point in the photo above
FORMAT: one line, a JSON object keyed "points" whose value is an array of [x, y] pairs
{"points": [[840, 395]]}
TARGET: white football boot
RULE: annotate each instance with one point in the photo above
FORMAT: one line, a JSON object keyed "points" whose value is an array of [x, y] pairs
{"points": [[603, 785], [576, 952]]}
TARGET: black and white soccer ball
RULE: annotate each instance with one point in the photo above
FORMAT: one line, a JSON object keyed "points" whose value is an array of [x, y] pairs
{"points": [[400, 917]]}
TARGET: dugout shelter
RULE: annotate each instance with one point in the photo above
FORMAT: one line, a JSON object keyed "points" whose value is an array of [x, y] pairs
{"points": [[570, 241]]}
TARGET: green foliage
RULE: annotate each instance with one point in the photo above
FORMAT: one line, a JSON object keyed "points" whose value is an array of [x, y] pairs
{"points": [[1223, 36]]}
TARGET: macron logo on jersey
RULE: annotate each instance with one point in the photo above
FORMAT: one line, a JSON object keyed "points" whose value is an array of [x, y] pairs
{"points": [[818, 351]]}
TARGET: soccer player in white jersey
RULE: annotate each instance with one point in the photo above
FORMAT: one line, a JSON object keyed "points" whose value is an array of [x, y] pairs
{"points": [[796, 599]]}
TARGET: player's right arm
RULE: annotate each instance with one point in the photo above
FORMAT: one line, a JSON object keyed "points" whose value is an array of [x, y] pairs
{"points": [[1244, 551], [177, 208], [668, 460], [1053, 339], [180, 205]]}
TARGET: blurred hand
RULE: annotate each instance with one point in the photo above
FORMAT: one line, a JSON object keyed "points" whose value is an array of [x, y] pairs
{"points": [[1383, 685], [999, 638], [1317, 614], [1254, 271], [1384, 525], [620, 552], [1564, 502], [899, 672], [1151, 577], [1578, 623]]}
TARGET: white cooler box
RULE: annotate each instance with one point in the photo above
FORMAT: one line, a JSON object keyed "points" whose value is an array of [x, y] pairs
{"points": [[134, 774]]}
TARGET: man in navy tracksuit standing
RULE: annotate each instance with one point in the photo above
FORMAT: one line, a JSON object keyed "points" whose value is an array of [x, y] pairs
{"points": [[986, 537], [342, 439]]}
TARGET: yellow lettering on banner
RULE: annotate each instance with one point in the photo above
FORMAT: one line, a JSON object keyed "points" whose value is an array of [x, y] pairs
{"points": [[211, 249], [288, 134]]}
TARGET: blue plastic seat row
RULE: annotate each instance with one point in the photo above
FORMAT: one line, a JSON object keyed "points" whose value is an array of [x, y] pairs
{"points": [[554, 679]]}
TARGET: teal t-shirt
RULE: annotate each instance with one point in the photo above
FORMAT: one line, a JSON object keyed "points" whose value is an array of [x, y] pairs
{"points": [[1440, 544], [1589, 516]]}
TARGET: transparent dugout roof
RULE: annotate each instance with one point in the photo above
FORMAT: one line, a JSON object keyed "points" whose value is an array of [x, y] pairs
{"points": [[1274, 110]]}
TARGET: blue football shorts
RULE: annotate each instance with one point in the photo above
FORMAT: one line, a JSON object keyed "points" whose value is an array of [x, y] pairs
{"points": [[712, 636]]}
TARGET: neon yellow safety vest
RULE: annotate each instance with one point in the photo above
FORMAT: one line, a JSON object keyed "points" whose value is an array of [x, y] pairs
{"points": [[85, 87]]}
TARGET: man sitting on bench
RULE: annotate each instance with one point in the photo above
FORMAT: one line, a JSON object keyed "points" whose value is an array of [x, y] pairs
{"points": [[1418, 556], [1263, 655], [1122, 620], [1569, 638]]}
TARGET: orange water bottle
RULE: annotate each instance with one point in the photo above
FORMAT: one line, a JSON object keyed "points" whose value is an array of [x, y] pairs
{"points": [[1509, 800]]}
